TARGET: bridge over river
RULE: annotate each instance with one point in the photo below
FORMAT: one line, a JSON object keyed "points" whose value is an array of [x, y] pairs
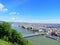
{"points": [[32, 35]]}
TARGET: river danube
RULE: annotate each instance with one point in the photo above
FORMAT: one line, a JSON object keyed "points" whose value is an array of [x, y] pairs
{"points": [[19, 29]]}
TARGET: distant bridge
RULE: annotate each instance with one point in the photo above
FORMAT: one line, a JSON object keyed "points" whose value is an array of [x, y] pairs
{"points": [[32, 35]]}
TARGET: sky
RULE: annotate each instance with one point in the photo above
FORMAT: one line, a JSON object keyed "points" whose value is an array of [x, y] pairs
{"points": [[32, 11]]}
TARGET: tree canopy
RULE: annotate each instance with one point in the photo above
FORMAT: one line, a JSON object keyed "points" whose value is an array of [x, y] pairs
{"points": [[11, 35]]}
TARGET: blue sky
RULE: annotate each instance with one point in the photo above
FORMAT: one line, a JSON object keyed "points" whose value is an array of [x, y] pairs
{"points": [[33, 11]]}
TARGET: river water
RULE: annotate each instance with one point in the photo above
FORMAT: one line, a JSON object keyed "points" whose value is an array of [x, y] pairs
{"points": [[19, 29]]}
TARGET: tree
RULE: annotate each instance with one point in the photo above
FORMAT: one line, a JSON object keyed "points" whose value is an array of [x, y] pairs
{"points": [[11, 35]]}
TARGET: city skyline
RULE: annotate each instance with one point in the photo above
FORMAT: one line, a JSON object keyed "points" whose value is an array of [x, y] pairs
{"points": [[33, 11]]}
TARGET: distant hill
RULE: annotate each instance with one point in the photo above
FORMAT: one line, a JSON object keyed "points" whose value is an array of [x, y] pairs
{"points": [[33, 23], [16, 22], [1, 21]]}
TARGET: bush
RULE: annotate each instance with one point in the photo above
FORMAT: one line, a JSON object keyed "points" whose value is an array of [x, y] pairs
{"points": [[11, 35]]}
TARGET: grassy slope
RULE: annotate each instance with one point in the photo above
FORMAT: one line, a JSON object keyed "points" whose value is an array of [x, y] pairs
{"points": [[42, 40], [2, 42]]}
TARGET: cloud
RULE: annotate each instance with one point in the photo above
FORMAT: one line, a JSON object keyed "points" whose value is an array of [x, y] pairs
{"points": [[45, 21], [2, 8], [16, 19], [36, 21], [13, 18], [14, 13]]}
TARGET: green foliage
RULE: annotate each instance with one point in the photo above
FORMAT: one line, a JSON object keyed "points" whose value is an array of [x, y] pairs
{"points": [[2, 42], [4, 28], [11, 35]]}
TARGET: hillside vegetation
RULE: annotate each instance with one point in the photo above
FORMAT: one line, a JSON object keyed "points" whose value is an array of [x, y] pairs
{"points": [[9, 36]]}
